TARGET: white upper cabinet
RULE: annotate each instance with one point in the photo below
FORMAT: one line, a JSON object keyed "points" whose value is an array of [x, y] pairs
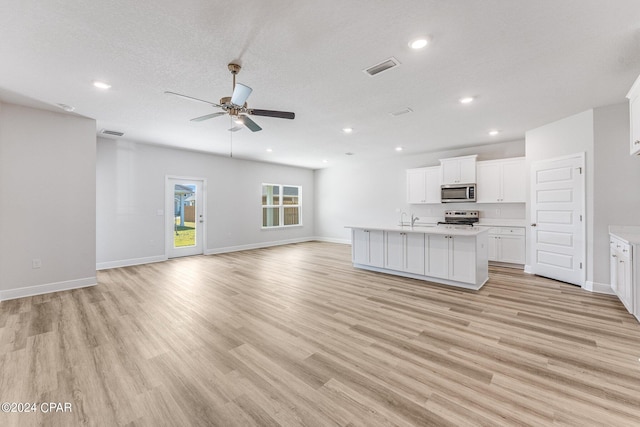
{"points": [[634, 116], [423, 185], [458, 170], [501, 181]]}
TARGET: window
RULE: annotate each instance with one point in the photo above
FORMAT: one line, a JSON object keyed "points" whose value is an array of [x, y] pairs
{"points": [[281, 205]]}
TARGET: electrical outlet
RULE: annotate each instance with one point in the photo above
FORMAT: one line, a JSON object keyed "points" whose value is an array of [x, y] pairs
{"points": [[36, 263]]}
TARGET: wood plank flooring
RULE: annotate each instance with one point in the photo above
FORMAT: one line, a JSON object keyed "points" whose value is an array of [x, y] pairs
{"points": [[294, 335]]}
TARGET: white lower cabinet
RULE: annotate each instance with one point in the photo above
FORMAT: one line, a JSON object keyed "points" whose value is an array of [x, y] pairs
{"points": [[368, 247], [507, 244], [621, 271], [404, 251], [451, 257]]}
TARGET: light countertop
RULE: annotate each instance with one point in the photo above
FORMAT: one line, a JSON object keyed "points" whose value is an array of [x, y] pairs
{"points": [[427, 229], [629, 233], [485, 222]]}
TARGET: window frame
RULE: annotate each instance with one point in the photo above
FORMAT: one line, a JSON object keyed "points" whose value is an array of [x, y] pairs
{"points": [[281, 206]]}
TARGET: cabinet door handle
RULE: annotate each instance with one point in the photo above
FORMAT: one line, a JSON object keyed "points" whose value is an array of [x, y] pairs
{"points": [[534, 225], [614, 256], [636, 142]]}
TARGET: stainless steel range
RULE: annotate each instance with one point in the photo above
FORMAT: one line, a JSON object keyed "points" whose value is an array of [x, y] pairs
{"points": [[463, 218]]}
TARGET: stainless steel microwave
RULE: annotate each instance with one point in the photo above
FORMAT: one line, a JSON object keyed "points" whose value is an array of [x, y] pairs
{"points": [[458, 193]]}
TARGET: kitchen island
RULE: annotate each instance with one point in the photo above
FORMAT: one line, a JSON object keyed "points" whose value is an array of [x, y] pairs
{"points": [[446, 254]]}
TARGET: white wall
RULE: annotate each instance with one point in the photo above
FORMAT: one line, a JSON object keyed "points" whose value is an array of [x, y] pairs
{"points": [[371, 192], [131, 189], [616, 183], [47, 201]]}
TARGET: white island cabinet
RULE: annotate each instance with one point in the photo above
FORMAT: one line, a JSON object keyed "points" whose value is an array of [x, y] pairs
{"points": [[444, 254], [367, 247]]}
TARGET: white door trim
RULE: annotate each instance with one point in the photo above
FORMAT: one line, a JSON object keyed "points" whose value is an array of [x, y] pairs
{"points": [[580, 157], [169, 215]]}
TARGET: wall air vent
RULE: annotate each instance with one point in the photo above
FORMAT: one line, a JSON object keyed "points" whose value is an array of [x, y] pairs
{"points": [[401, 112], [385, 65], [111, 133]]}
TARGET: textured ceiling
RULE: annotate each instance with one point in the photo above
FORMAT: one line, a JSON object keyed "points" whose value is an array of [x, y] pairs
{"points": [[527, 63]]}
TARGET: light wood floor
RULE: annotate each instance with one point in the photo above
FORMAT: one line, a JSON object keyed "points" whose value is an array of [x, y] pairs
{"points": [[294, 335]]}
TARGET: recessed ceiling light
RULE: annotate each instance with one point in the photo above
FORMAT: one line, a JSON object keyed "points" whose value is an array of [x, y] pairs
{"points": [[101, 85], [494, 132], [269, 150], [347, 130], [418, 43], [325, 161], [466, 100], [399, 148]]}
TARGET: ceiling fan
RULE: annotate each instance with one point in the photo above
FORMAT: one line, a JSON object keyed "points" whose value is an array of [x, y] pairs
{"points": [[236, 106]]}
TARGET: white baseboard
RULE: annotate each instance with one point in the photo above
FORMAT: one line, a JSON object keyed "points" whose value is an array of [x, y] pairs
{"points": [[47, 288], [527, 269], [257, 245], [600, 288], [160, 258], [333, 240], [130, 262]]}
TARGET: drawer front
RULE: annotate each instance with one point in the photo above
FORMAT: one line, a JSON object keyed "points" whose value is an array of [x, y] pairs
{"points": [[514, 231]]}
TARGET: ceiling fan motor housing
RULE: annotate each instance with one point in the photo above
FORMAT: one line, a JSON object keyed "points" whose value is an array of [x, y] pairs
{"points": [[234, 68]]}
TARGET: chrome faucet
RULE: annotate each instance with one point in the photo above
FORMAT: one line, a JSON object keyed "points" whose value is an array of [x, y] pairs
{"points": [[413, 219]]}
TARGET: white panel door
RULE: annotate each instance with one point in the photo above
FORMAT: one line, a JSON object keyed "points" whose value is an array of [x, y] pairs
{"points": [[557, 219]]}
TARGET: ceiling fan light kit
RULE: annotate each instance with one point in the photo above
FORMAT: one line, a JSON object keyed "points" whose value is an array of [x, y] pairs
{"points": [[236, 105]]}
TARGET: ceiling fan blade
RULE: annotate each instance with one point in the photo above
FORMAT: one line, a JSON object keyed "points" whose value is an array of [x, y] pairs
{"points": [[208, 116], [272, 113], [191, 98], [240, 94], [235, 129], [253, 126]]}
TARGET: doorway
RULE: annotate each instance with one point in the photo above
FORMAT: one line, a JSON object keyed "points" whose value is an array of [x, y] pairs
{"points": [[558, 219], [185, 216]]}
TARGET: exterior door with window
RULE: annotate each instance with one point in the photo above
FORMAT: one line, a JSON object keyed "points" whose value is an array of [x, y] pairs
{"points": [[185, 217], [557, 219]]}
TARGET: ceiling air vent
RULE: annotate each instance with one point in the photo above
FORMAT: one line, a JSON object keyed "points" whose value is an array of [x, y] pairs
{"points": [[401, 112], [111, 132], [382, 66]]}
